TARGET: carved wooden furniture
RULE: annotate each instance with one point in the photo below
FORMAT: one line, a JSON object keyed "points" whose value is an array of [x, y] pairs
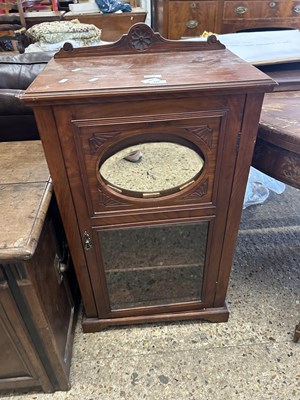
{"points": [[162, 252], [112, 26], [278, 141], [175, 19], [36, 306], [277, 150]]}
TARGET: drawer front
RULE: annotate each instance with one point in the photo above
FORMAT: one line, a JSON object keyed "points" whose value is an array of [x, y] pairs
{"points": [[191, 18], [234, 10]]}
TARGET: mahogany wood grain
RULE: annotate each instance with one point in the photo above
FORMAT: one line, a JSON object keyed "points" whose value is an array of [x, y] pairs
{"points": [[180, 18], [87, 109], [191, 18], [246, 147], [277, 151], [113, 25], [37, 17], [287, 75], [37, 308], [20, 366], [46, 122], [211, 315]]}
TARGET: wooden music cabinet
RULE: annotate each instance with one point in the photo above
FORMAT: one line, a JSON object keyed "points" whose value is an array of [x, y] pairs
{"points": [[151, 240]]}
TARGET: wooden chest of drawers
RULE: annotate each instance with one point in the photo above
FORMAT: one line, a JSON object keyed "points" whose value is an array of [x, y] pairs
{"points": [[241, 15], [145, 248], [184, 18], [176, 19]]}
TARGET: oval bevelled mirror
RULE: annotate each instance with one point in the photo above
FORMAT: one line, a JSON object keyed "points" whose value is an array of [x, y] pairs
{"points": [[152, 169]]}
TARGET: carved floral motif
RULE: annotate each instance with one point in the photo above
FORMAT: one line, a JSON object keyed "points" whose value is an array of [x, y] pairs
{"points": [[108, 201], [199, 192], [212, 39], [141, 38], [204, 132], [291, 169], [97, 139]]}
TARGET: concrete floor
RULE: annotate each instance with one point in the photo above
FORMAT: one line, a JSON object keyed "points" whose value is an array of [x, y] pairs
{"points": [[250, 357]]}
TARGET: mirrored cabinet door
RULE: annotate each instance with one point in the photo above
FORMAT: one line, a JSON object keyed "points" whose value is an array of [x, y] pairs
{"points": [[154, 265]]}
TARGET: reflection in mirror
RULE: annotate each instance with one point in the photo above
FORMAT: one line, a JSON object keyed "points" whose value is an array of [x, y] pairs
{"points": [[154, 265], [152, 169]]}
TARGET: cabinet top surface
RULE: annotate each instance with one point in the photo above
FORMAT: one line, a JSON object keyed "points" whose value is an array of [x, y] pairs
{"points": [[126, 67], [22, 162], [25, 195], [144, 73]]}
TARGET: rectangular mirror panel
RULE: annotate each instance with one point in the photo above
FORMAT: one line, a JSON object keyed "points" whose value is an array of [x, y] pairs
{"points": [[154, 265]]}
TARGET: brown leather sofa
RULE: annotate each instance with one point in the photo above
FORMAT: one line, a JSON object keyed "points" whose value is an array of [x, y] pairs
{"points": [[17, 71]]}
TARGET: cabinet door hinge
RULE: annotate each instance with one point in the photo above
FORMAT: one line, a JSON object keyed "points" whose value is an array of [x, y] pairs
{"points": [[87, 241]]}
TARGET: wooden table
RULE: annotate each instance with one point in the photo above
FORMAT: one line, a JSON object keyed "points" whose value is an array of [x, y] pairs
{"points": [[277, 149]]}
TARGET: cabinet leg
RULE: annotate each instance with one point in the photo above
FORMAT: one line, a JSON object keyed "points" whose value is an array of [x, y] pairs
{"points": [[297, 333]]}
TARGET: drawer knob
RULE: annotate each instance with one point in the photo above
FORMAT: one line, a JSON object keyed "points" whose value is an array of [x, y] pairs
{"points": [[297, 9], [272, 4], [192, 24], [240, 10], [193, 5]]}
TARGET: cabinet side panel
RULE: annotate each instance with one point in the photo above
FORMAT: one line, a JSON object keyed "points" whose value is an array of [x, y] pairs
{"points": [[51, 144], [55, 305], [243, 162], [20, 366]]}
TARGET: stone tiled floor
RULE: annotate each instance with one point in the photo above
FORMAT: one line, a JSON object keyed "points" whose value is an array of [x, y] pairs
{"points": [[252, 356]]}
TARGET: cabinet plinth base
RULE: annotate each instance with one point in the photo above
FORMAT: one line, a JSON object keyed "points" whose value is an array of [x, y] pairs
{"points": [[220, 314], [297, 333]]}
